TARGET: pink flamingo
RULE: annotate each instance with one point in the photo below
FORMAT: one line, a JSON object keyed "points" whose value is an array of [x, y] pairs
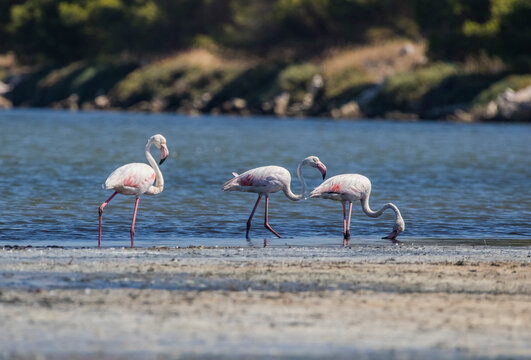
{"points": [[266, 180], [137, 179], [351, 187]]}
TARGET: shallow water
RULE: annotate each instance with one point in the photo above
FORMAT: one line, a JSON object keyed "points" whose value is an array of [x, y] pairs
{"points": [[454, 183]]}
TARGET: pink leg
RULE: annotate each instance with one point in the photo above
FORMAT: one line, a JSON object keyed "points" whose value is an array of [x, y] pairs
{"points": [[134, 219], [344, 224], [251, 217], [347, 234], [266, 222], [101, 213]]}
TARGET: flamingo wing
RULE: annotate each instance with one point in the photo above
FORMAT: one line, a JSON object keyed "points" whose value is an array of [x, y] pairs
{"points": [[130, 179], [345, 187], [265, 179]]}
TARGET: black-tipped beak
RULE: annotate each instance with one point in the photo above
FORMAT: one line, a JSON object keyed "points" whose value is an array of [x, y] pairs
{"points": [[322, 169], [392, 235], [164, 152]]}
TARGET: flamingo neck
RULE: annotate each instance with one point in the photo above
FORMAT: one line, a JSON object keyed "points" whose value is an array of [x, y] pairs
{"points": [[159, 180], [287, 190], [399, 222]]}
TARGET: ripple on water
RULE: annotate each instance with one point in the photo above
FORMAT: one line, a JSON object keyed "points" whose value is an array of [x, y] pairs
{"points": [[461, 182]]}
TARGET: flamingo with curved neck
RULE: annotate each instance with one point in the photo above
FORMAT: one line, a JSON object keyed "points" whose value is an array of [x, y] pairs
{"points": [[352, 187], [266, 180], [287, 188], [137, 179]]}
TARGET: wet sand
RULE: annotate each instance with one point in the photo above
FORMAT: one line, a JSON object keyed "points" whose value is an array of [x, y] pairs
{"points": [[366, 302]]}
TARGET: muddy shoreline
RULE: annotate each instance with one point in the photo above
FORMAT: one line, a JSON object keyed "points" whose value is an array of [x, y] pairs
{"points": [[366, 302]]}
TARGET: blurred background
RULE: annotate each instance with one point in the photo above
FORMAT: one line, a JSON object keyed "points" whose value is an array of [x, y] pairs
{"points": [[463, 60]]}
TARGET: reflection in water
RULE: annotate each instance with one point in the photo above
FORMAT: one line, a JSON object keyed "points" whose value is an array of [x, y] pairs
{"points": [[450, 181]]}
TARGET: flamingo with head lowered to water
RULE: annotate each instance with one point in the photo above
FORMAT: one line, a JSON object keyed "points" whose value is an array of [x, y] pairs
{"points": [[137, 179], [352, 187], [266, 180]]}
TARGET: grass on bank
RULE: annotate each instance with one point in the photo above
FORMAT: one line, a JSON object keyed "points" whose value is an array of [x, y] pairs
{"points": [[376, 61], [184, 76], [204, 74], [515, 82], [205, 80], [49, 84]]}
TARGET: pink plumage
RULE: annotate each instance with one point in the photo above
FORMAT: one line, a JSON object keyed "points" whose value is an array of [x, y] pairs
{"points": [[137, 179], [262, 180], [350, 188], [266, 180], [131, 179], [346, 187]]}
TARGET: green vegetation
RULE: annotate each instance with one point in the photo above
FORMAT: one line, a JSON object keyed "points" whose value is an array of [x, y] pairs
{"points": [[67, 30], [514, 82], [85, 79], [178, 84], [295, 79], [404, 92], [457, 29], [72, 30], [346, 84], [421, 57]]}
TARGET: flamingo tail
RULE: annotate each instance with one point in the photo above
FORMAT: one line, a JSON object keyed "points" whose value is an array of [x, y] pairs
{"points": [[229, 185]]}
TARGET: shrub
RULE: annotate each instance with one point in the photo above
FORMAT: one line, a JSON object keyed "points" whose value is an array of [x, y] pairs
{"points": [[296, 79], [72, 29], [184, 76], [515, 82], [457, 29], [346, 84], [404, 92]]}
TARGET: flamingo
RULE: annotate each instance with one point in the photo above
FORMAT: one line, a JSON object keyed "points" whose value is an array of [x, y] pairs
{"points": [[137, 179], [266, 180], [351, 187]]}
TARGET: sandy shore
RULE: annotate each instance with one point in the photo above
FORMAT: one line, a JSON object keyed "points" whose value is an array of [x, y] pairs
{"points": [[367, 302]]}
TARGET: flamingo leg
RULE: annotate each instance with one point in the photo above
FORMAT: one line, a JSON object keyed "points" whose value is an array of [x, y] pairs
{"points": [[347, 233], [102, 206], [251, 217], [266, 222], [344, 224], [134, 219]]}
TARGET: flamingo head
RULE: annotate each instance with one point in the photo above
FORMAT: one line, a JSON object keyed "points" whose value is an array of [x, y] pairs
{"points": [[314, 161], [398, 228], [160, 142]]}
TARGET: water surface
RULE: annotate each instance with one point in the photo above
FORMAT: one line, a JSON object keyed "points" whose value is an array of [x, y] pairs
{"points": [[454, 183]]}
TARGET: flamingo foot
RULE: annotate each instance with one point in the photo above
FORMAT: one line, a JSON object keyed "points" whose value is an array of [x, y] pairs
{"points": [[132, 237], [392, 236], [247, 232], [99, 233], [268, 227], [346, 238]]}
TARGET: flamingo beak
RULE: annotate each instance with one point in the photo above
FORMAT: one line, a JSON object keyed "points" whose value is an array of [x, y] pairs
{"points": [[322, 169], [392, 236], [164, 152]]}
